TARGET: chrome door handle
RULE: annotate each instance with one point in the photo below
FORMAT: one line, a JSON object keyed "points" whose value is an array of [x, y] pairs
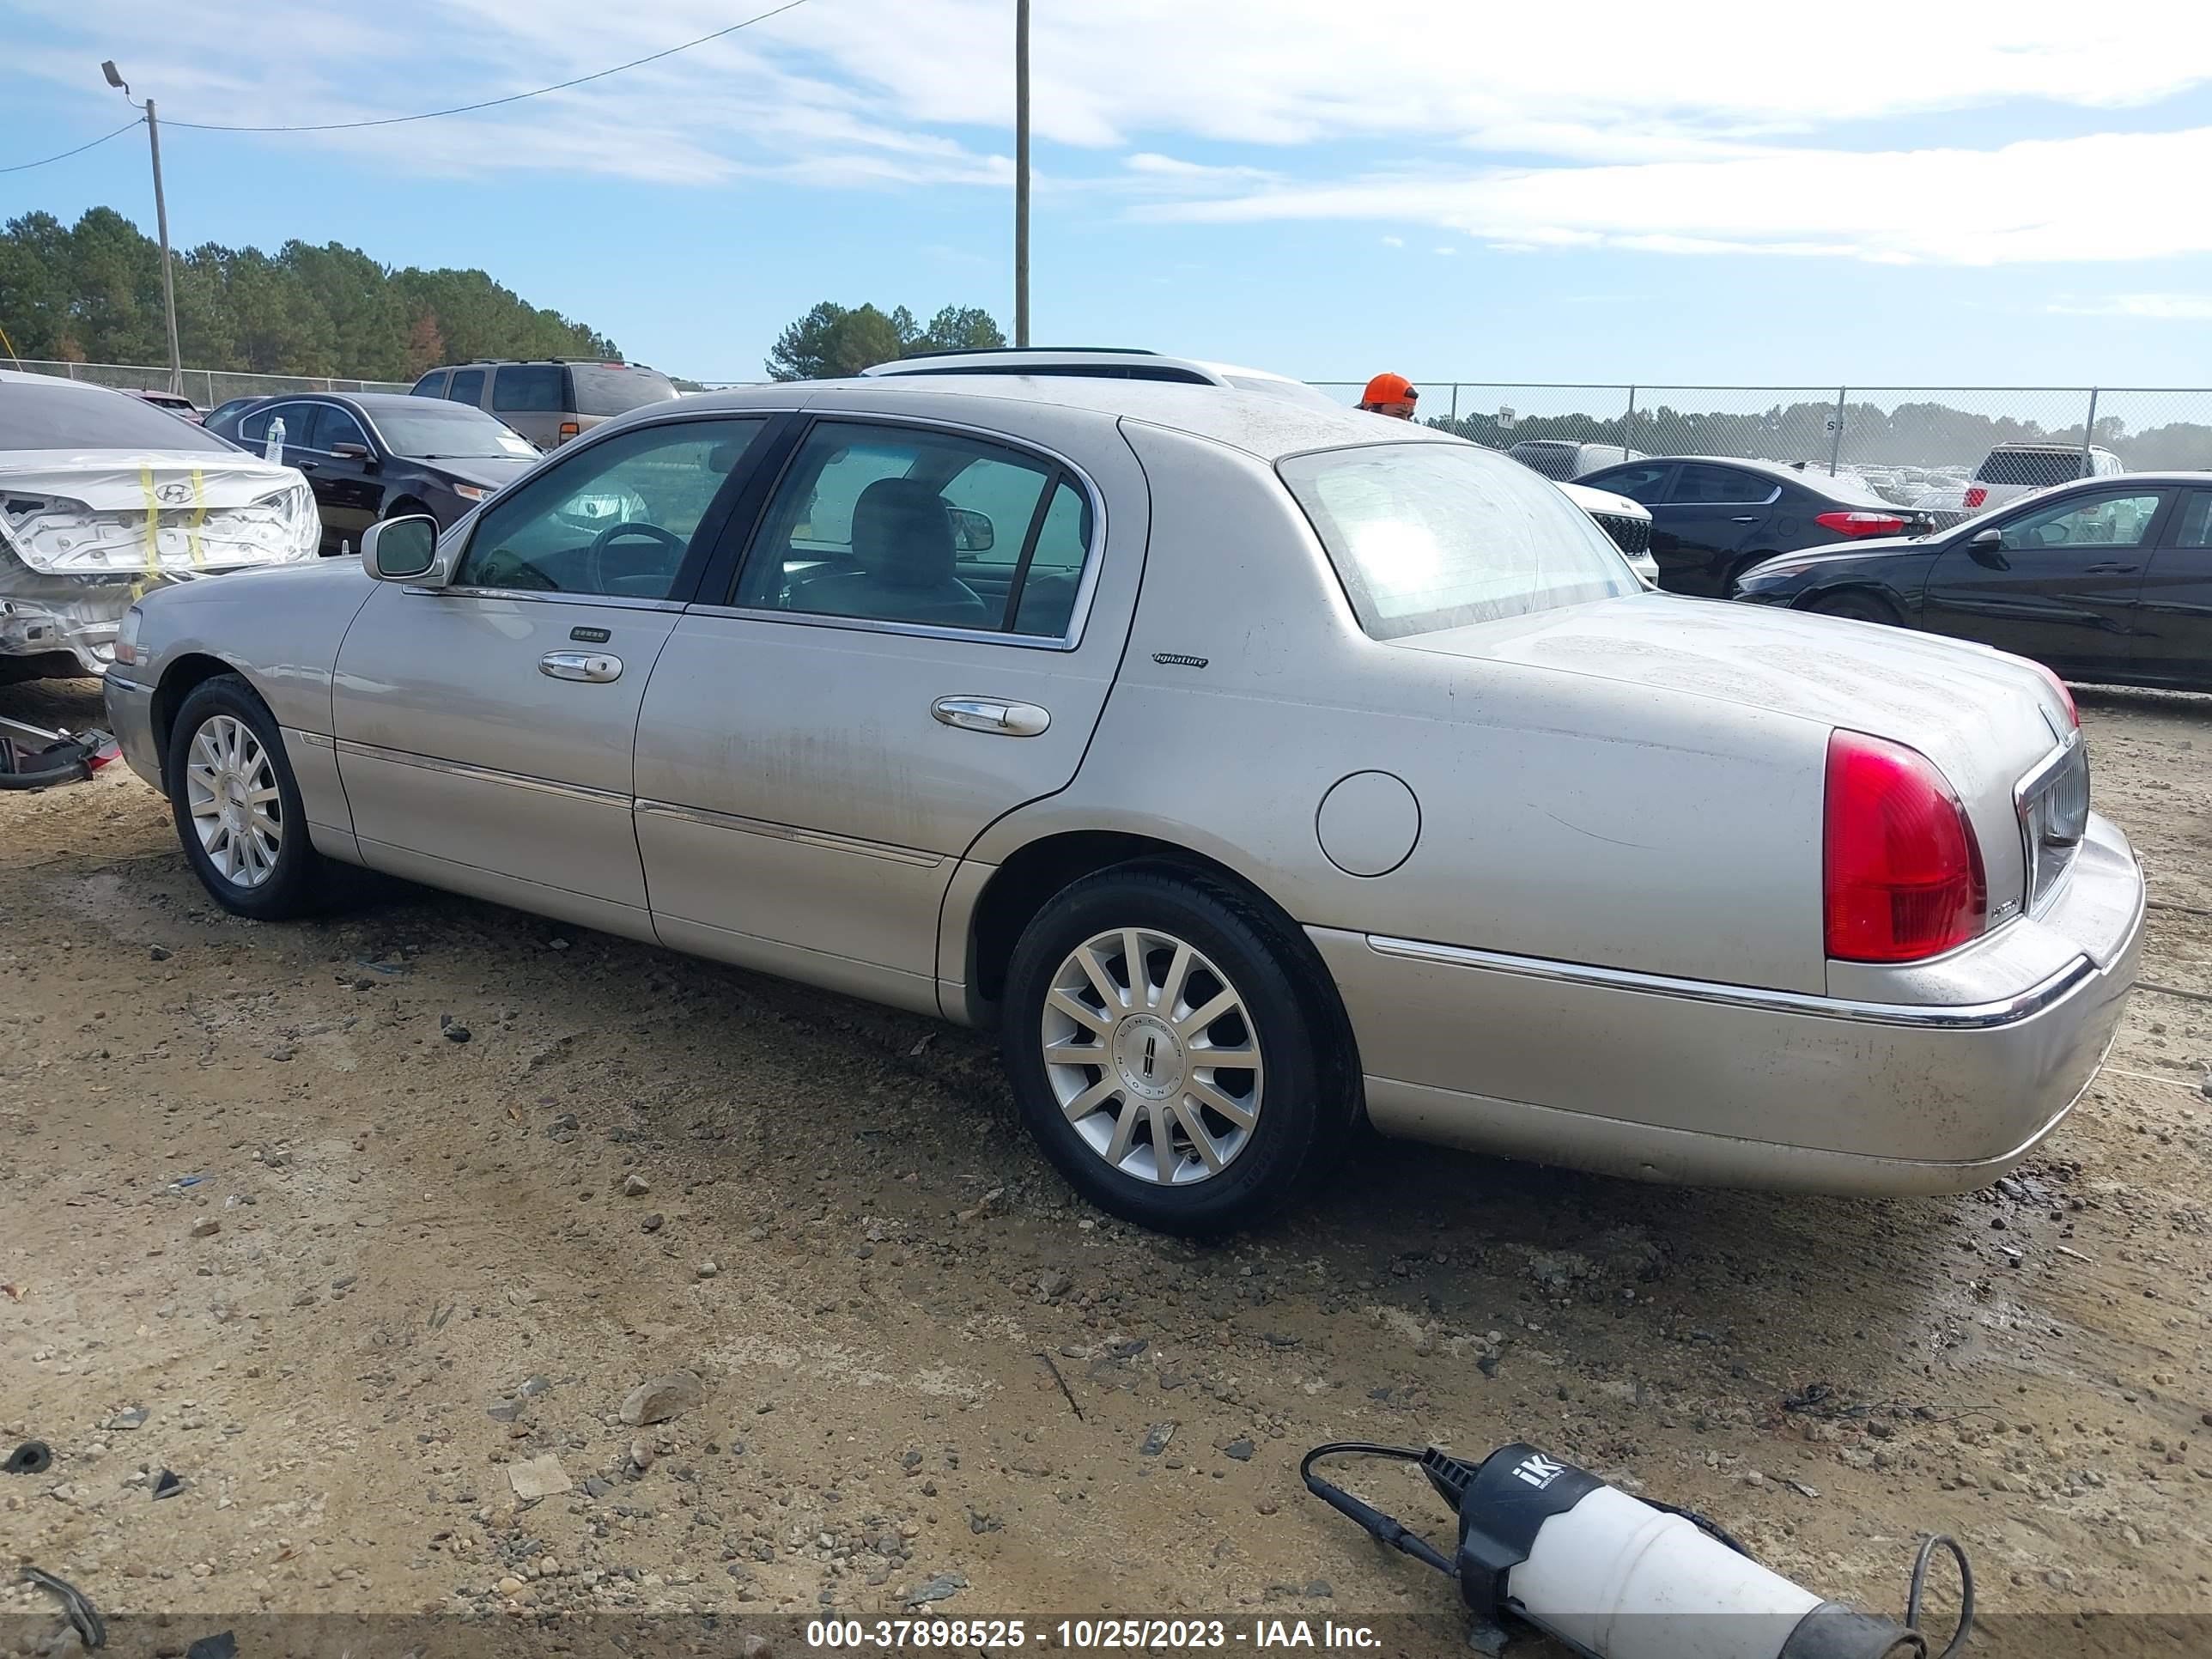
{"points": [[1008, 719], [593, 666], [1747, 518]]}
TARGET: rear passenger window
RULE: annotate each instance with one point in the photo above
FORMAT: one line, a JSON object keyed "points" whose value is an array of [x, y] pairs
{"points": [[432, 384], [2196, 520], [1047, 604], [1720, 485], [468, 386], [528, 389], [905, 525]]}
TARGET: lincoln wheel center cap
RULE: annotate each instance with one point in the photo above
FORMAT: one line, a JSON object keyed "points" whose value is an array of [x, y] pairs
{"points": [[1149, 1056]]}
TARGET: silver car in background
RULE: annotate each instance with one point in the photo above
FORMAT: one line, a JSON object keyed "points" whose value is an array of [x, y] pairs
{"points": [[1254, 768]]}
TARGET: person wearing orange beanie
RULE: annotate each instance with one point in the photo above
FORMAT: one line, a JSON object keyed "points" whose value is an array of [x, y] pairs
{"points": [[1392, 395]]}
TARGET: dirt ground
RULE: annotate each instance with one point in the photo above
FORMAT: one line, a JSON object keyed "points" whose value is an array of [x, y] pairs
{"points": [[357, 1271]]}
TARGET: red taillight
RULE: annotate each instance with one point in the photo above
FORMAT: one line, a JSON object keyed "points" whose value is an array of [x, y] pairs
{"points": [[1904, 873], [1861, 524], [2065, 696], [1977, 495], [569, 429]]}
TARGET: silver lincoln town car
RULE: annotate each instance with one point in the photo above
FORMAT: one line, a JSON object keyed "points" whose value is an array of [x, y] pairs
{"points": [[1252, 767]]}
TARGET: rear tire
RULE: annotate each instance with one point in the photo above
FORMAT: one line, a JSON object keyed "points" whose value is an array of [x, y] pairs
{"points": [[237, 806], [1857, 607], [1108, 1064]]}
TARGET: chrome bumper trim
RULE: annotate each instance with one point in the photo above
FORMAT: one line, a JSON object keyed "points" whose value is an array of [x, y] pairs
{"points": [[1980, 1016]]}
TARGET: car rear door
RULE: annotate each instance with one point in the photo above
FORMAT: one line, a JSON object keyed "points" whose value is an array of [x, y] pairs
{"points": [[817, 750], [467, 387], [484, 728], [2173, 635], [2063, 586], [530, 398], [1711, 515]]}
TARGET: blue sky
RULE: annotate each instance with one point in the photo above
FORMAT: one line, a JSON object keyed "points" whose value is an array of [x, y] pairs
{"points": [[1888, 193]]}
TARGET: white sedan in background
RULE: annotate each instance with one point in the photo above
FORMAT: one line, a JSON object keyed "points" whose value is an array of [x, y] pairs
{"points": [[104, 495]]}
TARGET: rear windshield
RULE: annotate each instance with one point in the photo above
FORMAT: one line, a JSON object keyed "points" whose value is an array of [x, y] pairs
{"points": [[1429, 536], [609, 389], [65, 416], [436, 431], [2032, 467]]}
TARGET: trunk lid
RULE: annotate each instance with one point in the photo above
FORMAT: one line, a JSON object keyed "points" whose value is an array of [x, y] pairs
{"points": [[128, 514], [1986, 719]]}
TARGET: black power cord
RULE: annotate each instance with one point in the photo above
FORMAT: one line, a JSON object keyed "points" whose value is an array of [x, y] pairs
{"points": [[1449, 1475], [1919, 1585]]}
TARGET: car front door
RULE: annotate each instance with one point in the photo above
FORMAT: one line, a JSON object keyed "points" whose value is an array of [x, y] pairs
{"points": [[530, 397], [815, 755], [1709, 516], [2173, 636], [484, 727], [348, 493], [2058, 582]]}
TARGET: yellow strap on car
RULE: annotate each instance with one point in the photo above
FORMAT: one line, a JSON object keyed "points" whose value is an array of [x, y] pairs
{"points": [[200, 518], [152, 572]]}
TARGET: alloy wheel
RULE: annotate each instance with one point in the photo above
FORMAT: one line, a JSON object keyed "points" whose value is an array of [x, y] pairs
{"points": [[1152, 1053], [231, 794]]}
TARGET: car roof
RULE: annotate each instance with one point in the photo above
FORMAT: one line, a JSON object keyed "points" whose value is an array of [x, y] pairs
{"points": [[1010, 359], [24, 377], [1257, 422]]}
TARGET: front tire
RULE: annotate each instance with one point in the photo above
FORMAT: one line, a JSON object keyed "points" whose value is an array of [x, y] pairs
{"points": [[1171, 1052], [237, 806]]}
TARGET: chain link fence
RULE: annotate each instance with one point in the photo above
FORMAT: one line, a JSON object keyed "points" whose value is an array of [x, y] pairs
{"points": [[1908, 442], [205, 386], [1911, 442]]}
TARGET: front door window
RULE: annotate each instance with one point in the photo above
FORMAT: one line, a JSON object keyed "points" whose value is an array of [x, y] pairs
{"points": [[617, 520]]}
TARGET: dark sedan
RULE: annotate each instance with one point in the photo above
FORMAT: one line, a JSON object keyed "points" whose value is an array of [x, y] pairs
{"points": [[376, 455], [1713, 519], [2109, 580]]}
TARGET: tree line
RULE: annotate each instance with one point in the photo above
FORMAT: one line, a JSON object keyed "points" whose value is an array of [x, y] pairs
{"points": [[91, 292]]}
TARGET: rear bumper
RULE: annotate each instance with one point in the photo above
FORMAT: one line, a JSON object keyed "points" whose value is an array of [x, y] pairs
{"points": [[1683, 1081], [83, 626], [130, 720]]}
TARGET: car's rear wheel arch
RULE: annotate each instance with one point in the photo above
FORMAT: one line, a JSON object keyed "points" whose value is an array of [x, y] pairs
{"points": [[1036, 874]]}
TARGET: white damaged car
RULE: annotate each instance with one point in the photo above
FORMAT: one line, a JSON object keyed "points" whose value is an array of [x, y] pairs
{"points": [[103, 497]]}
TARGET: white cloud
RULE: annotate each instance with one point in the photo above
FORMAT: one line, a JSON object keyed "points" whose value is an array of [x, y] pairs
{"points": [[1393, 241], [1447, 252], [2163, 308], [2107, 197], [1745, 132]]}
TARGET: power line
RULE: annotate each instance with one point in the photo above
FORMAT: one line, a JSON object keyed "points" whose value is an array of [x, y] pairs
{"points": [[492, 103], [25, 167]]}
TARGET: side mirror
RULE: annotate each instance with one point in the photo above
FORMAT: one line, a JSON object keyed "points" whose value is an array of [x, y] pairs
{"points": [[403, 551], [971, 530], [1987, 547], [353, 451]]}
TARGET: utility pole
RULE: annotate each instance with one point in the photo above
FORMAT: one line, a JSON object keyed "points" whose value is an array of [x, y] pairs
{"points": [[161, 224], [1021, 172]]}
